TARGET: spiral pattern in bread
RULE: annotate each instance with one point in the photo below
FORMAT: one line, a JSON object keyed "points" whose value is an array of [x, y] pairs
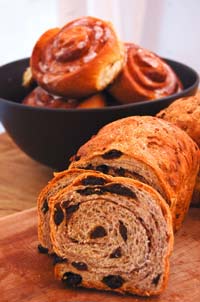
{"points": [[112, 234], [78, 60], [145, 76]]}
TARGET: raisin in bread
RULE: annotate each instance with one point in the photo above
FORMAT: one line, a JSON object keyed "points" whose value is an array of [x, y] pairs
{"points": [[112, 233], [60, 181], [149, 149]]}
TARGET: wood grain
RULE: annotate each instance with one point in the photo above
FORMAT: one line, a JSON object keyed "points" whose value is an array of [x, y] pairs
{"points": [[21, 178], [26, 275]]}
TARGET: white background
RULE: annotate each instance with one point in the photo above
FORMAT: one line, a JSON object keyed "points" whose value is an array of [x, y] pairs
{"points": [[171, 28]]}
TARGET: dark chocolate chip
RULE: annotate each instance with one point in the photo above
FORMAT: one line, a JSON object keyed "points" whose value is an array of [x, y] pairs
{"points": [[81, 266], [98, 232], [117, 253], [71, 209], [113, 281], [93, 180], [71, 279], [90, 191], [58, 214], [103, 168], [123, 231], [120, 190], [42, 249], [45, 207], [156, 279], [58, 259], [112, 154], [120, 171]]}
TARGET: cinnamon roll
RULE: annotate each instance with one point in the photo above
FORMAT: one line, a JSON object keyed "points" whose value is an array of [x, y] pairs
{"points": [[41, 98], [79, 59], [145, 76]]}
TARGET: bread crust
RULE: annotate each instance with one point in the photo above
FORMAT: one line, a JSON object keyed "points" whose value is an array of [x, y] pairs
{"points": [[85, 74], [160, 146], [43, 217], [185, 113]]}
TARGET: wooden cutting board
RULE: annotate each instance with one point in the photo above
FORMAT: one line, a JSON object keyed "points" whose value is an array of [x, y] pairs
{"points": [[21, 178], [26, 275]]}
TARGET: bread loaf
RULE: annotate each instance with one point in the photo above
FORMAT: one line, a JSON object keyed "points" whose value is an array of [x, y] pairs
{"points": [[148, 149], [185, 113]]}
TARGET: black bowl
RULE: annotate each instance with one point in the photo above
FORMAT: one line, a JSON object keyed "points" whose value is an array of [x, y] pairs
{"points": [[52, 136]]}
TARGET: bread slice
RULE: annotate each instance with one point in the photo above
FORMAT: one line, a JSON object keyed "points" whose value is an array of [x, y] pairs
{"points": [[112, 233], [151, 150], [60, 181]]}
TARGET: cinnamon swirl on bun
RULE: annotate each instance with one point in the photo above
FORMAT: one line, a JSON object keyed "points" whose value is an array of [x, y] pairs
{"points": [[79, 59], [145, 76]]}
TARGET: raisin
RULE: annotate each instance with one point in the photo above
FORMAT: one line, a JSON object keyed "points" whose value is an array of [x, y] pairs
{"points": [[103, 168], [123, 231], [71, 279], [71, 209], [81, 266], [88, 167], [45, 207], [120, 171], [77, 157], [90, 191], [98, 232], [113, 281], [117, 253], [92, 180], [156, 279], [58, 214], [65, 203], [120, 190], [42, 249], [112, 154], [58, 259]]}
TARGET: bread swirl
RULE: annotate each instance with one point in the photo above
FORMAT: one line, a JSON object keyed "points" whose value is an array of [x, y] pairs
{"points": [[112, 233]]}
